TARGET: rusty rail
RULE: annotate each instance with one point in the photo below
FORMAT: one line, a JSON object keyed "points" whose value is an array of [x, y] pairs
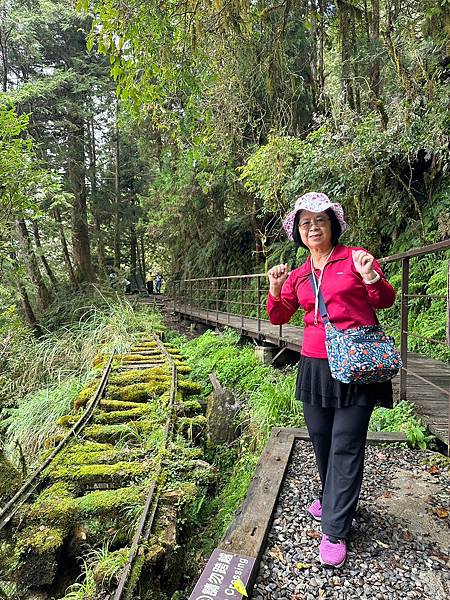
{"points": [[13, 505], [146, 520]]}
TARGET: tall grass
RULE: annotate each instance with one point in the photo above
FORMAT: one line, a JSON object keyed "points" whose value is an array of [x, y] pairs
{"points": [[35, 417], [94, 327], [41, 377]]}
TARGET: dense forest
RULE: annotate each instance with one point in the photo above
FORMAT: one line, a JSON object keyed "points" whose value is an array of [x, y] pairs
{"points": [[172, 136]]}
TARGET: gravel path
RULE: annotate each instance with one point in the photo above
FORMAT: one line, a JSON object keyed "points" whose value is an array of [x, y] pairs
{"points": [[399, 546]]}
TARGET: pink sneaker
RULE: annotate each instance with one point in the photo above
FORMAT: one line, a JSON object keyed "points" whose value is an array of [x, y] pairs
{"points": [[332, 554], [315, 510]]}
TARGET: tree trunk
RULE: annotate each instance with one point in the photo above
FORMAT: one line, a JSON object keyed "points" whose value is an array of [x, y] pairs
{"points": [[144, 265], [47, 267], [133, 248], [118, 211], [313, 54], [321, 75], [77, 185], [375, 35], [30, 317], [139, 260], [66, 254], [94, 200], [31, 263], [345, 28], [354, 50]]}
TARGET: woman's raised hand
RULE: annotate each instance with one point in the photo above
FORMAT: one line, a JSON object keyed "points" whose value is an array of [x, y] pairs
{"points": [[277, 276], [363, 262]]}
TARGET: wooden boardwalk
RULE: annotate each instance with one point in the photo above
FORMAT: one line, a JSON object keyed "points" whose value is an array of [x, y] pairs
{"points": [[428, 380]]}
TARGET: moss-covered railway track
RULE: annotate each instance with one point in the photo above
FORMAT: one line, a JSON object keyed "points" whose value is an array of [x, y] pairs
{"points": [[110, 482]]}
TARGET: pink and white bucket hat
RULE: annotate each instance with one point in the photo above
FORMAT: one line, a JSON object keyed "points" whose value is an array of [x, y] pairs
{"points": [[314, 202]]}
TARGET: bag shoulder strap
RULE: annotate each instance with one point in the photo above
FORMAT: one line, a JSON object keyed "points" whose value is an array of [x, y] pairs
{"points": [[322, 305]]}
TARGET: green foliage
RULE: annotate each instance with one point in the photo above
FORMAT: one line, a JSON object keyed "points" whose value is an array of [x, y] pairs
{"points": [[401, 418]]}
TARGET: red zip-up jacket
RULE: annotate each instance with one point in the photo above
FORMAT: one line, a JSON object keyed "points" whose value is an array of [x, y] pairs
{"points": [[350, 302]]}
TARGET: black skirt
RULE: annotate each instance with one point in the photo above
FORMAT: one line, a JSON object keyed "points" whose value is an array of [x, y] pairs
{"points": [[315, 386]]}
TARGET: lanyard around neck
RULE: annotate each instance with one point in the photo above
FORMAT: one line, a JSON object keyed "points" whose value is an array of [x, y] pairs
{"points": [[317, 285]]}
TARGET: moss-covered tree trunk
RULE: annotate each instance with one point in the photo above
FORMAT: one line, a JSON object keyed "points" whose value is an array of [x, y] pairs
{"points": [[77, 185], [31, 263]]}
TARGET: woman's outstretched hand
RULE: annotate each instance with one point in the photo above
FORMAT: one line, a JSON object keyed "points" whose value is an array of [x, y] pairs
{"points": [[277, 276], [363, 262]]}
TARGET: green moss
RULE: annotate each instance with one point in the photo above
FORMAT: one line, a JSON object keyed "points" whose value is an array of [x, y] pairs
{"points": [[189, 388], [106, 501], [10, 479], [68, 421], [116, 473], [122, 416], [85, 458], [137, 392], [147, 343], [112, 405], [87, 446], [189, 408], [191, 425], [113, 433], [182, 368], [56, 505], [85, 395], [135, 575], [141, 376], [140, 358], [40, 539]]}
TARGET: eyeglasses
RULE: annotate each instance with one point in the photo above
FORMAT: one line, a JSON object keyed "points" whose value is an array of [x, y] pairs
{"points": [[320, 222]]}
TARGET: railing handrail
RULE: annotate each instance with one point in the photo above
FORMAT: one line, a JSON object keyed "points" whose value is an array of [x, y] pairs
{"points": [[439, 246], [423, 250]]}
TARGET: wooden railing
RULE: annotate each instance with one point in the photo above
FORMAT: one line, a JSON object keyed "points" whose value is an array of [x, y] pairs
{"points": [[246, 295]]}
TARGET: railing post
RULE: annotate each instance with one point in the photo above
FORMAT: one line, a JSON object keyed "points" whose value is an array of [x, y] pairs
{"points": [[185, 297], [207, 298], [258, 300], [404, 328], [228, 300], [190, 297], [217, 300], [242, 303], [448, 305], [448, 342]]}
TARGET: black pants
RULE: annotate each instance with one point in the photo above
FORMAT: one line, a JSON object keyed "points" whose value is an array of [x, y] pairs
{"points": [[339, 439]]}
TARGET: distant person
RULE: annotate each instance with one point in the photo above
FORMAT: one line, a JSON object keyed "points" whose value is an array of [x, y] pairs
{"points": [[158, 282], [113, 279], [127, 286], [149, 286]]}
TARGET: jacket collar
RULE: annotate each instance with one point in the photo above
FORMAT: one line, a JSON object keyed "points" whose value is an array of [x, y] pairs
{"points": [[339, 253]]}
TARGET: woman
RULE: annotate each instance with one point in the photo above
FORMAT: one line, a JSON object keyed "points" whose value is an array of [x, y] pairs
{"points": [[336, 414]]}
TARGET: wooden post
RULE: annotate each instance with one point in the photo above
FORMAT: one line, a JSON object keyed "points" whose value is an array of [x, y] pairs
{"points": [[190, 297], [207, 298], [258, 300], [228, 301], [448, 306], [448, 342], [217, 300], [242, 304], [404, 327]]}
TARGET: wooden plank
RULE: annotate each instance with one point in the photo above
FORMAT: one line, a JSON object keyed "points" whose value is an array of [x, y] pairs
{"points": [[373, 437], [248, 533]]}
